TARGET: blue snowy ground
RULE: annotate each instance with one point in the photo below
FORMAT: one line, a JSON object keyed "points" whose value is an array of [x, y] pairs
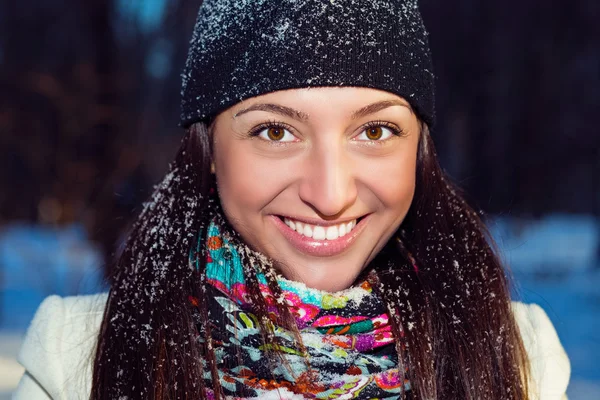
{"points": [[555, 261]]}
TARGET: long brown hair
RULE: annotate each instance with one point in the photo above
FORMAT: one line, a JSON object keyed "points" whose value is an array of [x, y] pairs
{"points": [[446, 292]]}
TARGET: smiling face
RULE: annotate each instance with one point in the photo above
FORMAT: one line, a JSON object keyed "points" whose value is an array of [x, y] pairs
{"points": [[317, 179]]}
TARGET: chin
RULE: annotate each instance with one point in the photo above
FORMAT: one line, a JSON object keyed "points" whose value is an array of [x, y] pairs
{"points": [[330, 286]]}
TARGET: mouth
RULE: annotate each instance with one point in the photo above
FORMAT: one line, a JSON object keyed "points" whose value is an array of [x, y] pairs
{"points": [[321, 232], [320, 238]]}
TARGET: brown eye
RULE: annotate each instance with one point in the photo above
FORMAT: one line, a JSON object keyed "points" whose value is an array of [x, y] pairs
{"points": [[374, 133], [377, 133], [276, 133]]}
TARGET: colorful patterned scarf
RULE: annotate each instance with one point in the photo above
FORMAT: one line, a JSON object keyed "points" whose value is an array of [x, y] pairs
{"points": [[349, 349]]}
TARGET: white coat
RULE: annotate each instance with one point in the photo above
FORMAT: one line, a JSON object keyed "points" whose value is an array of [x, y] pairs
{"points": [[58, 350]]}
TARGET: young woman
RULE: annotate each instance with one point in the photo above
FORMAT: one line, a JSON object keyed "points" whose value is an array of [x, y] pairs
{"points": [[305, 243]]}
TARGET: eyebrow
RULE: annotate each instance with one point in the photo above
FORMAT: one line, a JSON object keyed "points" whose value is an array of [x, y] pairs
{"points": [[375, 107], [274, 108], [301, 116]]}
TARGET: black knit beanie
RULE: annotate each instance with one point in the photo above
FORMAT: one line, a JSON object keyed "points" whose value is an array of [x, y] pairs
{"points": [[244, 48]]}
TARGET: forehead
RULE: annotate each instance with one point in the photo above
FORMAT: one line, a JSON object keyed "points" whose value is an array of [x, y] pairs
{"points": [[306, 102]]}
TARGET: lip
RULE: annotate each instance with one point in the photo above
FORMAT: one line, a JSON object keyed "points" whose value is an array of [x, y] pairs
{"points": [[320, 248]]}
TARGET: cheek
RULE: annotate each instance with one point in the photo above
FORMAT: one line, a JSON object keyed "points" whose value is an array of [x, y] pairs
{"points": [[234, 179], [393, 183], [245, 181]]}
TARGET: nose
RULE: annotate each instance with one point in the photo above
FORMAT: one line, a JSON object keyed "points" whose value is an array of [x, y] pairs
{"points": [[328, 183]]}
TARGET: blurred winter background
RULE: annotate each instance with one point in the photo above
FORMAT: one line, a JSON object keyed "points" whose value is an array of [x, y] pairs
{"points": [[89, 102]]}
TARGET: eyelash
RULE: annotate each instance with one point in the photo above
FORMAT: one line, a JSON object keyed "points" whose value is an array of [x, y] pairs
{"points": [[254, 132], [397, 131]]}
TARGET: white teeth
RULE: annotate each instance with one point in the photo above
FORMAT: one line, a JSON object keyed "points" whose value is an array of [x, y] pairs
{"points": [[318, 232], [332, 232], [307, 231], [290, 223]]}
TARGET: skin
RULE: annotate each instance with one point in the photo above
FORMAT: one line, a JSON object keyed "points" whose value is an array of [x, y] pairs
{"points": [[325, 169]]}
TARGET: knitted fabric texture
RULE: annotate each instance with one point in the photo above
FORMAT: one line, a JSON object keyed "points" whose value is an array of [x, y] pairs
{"points": [[347, 337], [245, 48]]}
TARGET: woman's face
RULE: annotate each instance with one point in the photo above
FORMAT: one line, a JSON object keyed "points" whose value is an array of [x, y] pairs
{"points": [[317, 179]]}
